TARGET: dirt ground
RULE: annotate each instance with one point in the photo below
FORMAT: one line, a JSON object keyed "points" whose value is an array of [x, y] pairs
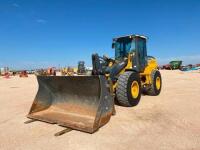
{"points": [[168, 121]]}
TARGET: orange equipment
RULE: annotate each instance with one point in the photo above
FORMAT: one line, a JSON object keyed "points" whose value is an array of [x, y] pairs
{"points": [[7, 75], [23, 74], [51, 71]]}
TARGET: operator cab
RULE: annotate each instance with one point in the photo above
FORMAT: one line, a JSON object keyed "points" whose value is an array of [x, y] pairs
{"points": [[131, 44]]}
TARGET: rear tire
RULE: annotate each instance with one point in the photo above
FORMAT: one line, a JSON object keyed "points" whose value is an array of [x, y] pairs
{"points": [[155, 87], [128, 91]]}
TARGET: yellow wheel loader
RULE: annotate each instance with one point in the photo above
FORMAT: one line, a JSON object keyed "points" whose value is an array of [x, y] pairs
{"points": [[87, 102], [69, 71]]}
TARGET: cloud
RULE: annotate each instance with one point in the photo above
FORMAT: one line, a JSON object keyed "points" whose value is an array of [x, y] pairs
{"points": [[16, 5], [41, 21], [23, 65], [34, 64], [190, 59]]}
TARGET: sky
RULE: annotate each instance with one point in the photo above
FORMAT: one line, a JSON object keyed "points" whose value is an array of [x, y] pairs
{"points": [[43, 33]]}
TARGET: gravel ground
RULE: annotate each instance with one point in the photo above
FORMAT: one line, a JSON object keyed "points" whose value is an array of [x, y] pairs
{"points": [[168, 121]]}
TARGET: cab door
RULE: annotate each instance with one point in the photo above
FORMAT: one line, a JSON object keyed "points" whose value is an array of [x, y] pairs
{"points": [[142, 53]]}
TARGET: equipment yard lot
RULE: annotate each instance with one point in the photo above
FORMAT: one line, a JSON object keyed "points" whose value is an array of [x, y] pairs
{"points": [[168, 121]]}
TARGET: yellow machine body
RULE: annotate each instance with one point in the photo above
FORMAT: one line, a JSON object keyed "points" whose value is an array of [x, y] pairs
{"points": [[145, 75]]}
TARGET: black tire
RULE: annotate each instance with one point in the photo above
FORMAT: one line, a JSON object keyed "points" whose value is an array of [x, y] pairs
{"points": [[123, 89], [153, 91]]}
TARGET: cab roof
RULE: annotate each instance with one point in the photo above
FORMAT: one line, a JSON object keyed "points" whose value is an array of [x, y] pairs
{"points": [[130, 36]]}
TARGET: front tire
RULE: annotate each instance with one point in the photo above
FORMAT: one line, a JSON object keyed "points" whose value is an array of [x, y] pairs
{"points": [[128, 90], [156, 85]]}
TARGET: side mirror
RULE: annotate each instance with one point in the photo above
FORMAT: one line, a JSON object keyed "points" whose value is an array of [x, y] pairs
{"points": [[113, 45]]}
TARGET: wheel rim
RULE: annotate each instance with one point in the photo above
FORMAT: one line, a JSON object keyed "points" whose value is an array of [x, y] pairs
{"points": [[158, 84], [135, 89]]}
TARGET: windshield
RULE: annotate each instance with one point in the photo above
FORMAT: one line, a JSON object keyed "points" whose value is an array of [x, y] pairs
{"points": [[123, 47]]}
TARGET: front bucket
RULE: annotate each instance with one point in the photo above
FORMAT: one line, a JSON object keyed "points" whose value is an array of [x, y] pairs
{"points": [[78, 102]]}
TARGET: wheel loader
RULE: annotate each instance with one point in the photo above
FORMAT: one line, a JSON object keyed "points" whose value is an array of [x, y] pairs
{"points": [[81, 68], [86, 103], [69, 71]]}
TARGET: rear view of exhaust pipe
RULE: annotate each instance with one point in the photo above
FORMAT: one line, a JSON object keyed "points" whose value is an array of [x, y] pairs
{"points": [[78, 102]]}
